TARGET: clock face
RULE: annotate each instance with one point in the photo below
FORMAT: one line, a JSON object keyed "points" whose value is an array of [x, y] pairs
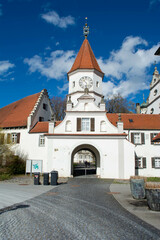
{"points": [[85, 82]]}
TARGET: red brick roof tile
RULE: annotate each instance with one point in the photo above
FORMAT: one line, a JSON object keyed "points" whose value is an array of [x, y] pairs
{"points": [[16, 114], [136, 121], [85, 59], [40, 127]]}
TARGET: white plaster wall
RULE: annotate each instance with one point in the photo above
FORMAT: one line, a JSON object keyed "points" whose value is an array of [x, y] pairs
{"points": [[147, 150], [77, 95], [60, 151], [155, 105], [99, 116], [28, 146], [76, 77], [129, 159]]}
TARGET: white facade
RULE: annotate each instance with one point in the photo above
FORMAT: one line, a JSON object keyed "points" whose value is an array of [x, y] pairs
{"points": [[86, 127]]}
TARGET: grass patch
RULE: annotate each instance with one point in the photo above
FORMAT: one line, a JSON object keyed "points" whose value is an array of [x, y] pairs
{"points": [[4, 176], [153, 179]]}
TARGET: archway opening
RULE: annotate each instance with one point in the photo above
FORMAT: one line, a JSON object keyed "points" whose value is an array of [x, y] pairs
{"points": [[85, 161]]}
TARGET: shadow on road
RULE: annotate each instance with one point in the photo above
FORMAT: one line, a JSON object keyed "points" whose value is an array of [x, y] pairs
{"points": [[13, 208]]}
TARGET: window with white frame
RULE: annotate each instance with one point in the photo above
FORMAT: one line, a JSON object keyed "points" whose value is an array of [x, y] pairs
{"points": [[41, 141], [85, 124], [140, 162], [137, 138], [14, 138], [157, 162]]}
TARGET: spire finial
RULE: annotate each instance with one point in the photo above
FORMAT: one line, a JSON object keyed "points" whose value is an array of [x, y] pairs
{"points": [[143, 97], [86, 29]]}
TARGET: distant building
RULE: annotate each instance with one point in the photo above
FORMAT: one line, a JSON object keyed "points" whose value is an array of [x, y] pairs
{"points": [[152, 105]]}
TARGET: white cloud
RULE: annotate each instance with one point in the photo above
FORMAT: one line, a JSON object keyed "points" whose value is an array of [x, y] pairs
{"points": [[62, 22], [152, 2], [53, 67], [57, 43], [5, 66], [64, 88], [128, 67]]}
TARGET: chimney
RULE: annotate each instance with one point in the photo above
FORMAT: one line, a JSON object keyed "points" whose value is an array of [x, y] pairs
{"points": [[138, 108], [120, 124], [51, 125]]}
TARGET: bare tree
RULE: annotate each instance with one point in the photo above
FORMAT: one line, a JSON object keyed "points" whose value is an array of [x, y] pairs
{"points": [[59, 106], [118, 104]]}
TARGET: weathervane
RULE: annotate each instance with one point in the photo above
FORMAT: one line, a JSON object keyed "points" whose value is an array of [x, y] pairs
{"points": [[86, 29], [154, 63]]}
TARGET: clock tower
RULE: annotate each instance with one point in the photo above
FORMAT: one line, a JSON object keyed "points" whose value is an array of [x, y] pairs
{"points": [[85, 73]]}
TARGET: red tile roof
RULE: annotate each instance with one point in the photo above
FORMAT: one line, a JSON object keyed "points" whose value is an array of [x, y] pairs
{"points": [[136, 121], [85, 59], [40, 127], [57, 123], [16, 114], [156, 138]]}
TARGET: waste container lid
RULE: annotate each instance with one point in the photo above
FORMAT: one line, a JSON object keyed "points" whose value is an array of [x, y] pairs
{"points": [[54, 172], [35, 173]]}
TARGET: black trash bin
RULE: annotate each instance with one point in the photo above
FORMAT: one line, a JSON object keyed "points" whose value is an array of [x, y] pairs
{"points": [[46, 179], [36, 178], [54, 177]]}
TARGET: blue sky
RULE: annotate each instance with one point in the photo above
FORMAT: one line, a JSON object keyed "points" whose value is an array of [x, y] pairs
{"points": [[39, 41]]}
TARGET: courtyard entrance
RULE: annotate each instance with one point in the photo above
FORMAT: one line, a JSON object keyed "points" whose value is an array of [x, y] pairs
{"points": [[85, 161]]}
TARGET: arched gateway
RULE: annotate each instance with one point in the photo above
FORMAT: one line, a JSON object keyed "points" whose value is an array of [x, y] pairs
{"points": [[85, 167]]}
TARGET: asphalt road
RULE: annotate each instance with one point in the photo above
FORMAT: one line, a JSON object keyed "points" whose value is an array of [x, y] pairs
{"points": [[80, 209]]}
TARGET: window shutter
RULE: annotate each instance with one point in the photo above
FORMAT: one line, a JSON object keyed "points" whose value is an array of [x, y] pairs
{"points": [[144, 162], [151, 136], [142, 138], [92, 124], [78, 124], [153, 162], [1, 138], [18, 137], [8, 138], [132, 137], [136, 163]]}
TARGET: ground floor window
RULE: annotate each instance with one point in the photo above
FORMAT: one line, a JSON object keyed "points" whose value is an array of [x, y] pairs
{"points": [[41, 141], [156, 162], [140, 162]]}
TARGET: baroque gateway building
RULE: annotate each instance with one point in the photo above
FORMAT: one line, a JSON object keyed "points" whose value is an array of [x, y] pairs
{"points": [[120, 144]]}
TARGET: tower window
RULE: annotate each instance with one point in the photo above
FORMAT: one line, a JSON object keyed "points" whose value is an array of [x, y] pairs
{"points": [[97, 84], [73, 84], [152, 111], [155, 92]]}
